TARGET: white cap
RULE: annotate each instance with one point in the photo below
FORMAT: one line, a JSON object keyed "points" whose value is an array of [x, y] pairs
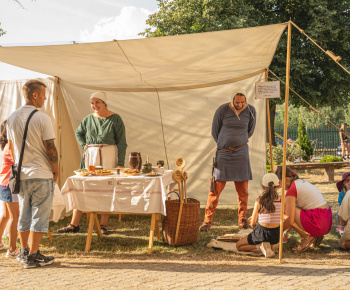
{"points": [[99, 95], [270, 177], [238, 90]]}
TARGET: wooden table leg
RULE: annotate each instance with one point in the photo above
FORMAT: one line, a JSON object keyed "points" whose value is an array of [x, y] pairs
{"points": [[49, 234], [89, 235], [151, 235], [329, 172], [97, 226], [120, 218], [158, 218]]}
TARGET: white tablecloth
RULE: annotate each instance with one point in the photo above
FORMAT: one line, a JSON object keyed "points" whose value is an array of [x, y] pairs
{"points": [[132, 194]]}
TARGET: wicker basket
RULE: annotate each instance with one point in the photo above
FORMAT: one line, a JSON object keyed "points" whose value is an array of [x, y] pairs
{"points": [[189, 224]]}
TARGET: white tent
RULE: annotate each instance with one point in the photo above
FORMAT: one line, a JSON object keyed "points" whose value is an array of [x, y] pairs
{"points": [[167, 84]]}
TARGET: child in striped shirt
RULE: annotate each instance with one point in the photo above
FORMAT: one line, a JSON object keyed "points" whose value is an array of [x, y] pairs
{"points": [[265, 219]]}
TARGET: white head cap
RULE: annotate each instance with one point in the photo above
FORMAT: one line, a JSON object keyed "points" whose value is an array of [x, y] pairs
{"points": [[270, 177], [99, 95], [238, 90]]}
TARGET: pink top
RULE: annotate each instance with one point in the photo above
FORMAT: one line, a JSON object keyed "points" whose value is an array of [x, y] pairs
{"points": [[6, 167], [271, 218]]}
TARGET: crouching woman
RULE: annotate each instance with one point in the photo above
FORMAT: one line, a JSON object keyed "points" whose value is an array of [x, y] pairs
{"points": [[306, 211], [265, 219]]}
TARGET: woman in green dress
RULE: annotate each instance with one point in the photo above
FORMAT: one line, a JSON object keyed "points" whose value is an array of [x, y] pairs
{"points": [[102, 135]]}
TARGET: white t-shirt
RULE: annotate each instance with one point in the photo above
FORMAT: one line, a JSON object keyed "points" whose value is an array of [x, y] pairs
{"points": [[35, 162], [307, 195]]}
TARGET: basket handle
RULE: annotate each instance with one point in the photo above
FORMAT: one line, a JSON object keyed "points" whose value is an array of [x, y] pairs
{"points": [[173, 192]]}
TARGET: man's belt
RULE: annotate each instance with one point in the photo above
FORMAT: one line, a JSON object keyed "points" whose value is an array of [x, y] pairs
{"points": [[231, 149]]}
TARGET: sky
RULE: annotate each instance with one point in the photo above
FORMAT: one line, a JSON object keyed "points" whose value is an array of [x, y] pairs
{"points": [[41, 22]]}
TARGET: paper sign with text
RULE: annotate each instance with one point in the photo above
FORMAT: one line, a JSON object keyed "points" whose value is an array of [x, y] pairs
{"points": [[267, 90]]}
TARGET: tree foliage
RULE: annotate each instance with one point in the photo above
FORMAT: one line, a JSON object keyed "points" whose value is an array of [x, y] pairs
{"points": [[304, 141], [313, 74], [336, 115]]}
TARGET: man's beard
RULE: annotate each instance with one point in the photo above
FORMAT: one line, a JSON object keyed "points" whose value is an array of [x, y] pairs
{"points": [[238, 108]]}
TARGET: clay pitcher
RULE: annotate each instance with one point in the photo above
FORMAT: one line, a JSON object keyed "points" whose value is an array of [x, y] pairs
{"points": [[135, 160]]}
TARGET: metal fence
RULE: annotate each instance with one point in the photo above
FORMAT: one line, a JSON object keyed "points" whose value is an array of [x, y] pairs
{"points": [[325, 139]]}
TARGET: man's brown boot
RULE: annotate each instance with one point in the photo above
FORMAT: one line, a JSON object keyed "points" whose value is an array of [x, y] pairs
{"points": [[244, 224], [204, 227]]}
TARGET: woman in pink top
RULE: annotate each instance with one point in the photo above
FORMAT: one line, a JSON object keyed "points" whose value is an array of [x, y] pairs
{"points": [[305, 211], [267, 212], [10, 201]]}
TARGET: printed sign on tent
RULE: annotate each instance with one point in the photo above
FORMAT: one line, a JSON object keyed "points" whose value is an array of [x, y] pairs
{"points": [[267, 90]]}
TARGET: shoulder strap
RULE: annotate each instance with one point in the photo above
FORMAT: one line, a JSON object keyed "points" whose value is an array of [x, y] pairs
{"points": [[24, 140]]}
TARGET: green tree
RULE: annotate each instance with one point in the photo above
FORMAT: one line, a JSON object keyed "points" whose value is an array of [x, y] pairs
{"points": [[313, 74], [304, 141]]}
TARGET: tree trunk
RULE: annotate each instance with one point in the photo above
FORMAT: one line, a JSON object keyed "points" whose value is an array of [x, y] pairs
{"points": [[272, 122]]}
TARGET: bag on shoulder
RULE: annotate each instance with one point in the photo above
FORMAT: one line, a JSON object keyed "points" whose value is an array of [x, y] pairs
{"points": [[14, 179], [212, 178], [15, 174]]}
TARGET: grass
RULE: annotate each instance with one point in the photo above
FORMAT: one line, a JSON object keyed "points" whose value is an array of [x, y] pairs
{"points": [[129, 238]]}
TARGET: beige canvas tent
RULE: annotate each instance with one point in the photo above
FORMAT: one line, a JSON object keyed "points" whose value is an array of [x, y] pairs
{"points": [[166, 90]]}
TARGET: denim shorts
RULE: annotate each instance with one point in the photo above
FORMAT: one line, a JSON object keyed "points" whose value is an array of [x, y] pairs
{"points": [[35, 201], [6, 195]]}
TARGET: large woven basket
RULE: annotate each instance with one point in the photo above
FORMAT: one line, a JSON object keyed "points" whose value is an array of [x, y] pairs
{"points": [[189, 224]]}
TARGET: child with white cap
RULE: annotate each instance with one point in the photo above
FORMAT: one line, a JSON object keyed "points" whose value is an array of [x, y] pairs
{"points": [[265, 219]]}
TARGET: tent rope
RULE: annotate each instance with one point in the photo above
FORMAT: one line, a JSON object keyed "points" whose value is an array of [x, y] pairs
{"points": [[158, 98], [310, 107], [329, 53]]}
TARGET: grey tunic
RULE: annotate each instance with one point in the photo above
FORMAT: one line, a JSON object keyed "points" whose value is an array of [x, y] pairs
{"points": [[228, 131]]}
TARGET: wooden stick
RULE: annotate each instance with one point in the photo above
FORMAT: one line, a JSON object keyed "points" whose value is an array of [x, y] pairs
{"points": [[178, 222], [269, 124], [286, 101], [185, 176]]}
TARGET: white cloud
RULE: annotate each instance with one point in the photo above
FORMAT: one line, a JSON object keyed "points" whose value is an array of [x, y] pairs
{"points": [[127, 25]]}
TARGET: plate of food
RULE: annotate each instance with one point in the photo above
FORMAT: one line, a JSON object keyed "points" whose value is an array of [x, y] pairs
{"points": [[102, 172], [153, 174], [130, 172], [82, 172]]}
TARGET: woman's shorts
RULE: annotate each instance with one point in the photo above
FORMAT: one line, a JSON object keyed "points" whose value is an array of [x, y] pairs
{"points": [[317, 222], [261, 234], [6, 195]]}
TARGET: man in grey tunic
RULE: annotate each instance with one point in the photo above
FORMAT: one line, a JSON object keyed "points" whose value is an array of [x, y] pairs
{"points": [[233, 125]]}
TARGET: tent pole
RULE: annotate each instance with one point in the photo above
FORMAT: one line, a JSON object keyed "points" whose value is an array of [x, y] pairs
{"points": [[269, 123], [285, 130], [59, 131]]}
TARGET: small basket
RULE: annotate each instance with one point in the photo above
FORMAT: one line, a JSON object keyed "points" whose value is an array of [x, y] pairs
{"points": [[189, 224]]}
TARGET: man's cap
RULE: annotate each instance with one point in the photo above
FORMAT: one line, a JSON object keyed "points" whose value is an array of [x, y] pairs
{"points": [[270, 177]]}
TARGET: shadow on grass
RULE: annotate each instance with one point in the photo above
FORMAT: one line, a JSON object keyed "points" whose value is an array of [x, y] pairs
{"points": [[129, 240]]}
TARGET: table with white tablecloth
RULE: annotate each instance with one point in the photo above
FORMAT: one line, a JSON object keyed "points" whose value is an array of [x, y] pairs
{"points": [[115, 194]]}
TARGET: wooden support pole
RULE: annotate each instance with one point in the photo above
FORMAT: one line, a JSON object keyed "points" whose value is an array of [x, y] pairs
{"points": [[286, 101], [49, 234], [269, 124]]}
